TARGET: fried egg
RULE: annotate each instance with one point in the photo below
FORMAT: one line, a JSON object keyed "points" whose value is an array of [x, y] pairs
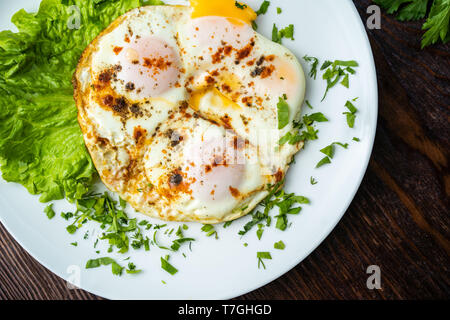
{"points": [[178, 109]]}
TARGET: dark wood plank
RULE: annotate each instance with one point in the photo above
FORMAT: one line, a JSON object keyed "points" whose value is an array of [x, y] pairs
{"points": [[399, 217]]}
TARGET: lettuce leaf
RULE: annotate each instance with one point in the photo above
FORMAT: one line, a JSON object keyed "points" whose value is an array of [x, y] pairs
{"points": [[41, 144]]}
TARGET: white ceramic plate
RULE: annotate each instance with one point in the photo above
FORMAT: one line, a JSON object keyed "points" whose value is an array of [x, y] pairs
{"points": [[224, 268]]}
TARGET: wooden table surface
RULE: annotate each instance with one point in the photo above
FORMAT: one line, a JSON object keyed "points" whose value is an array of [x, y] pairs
{"points": [[399, 219]]}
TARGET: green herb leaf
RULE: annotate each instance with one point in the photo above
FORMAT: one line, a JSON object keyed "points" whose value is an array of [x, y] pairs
{"points": [[279, 245], [283, 113], [95, 263], [325, 160], [275, 34], [263, 8], [240, 6], [49, 211], [314, 63], [165, 265], [328, 150], [263, 255], [71, 229]]}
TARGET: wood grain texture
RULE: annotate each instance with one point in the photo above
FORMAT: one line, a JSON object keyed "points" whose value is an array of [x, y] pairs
{"points": [[399, 218]]}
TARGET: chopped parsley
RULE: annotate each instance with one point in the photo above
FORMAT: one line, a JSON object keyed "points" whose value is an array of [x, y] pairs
{"points": [[306, 130], [177, 243], [165, 265], [279, 245], [75, 244], [115, 267], [260, 231], [285, 203], [312, 181], [71, 229], [227, 224], [263, 8], [132, 269], [314, 64], [261, 256], [335, 71], [209, 230], [328, 151], [283, 113], [356, 139], [325, 160], [240, 6], [351, 114], [49, 211], [278, 35], [279, 11]]}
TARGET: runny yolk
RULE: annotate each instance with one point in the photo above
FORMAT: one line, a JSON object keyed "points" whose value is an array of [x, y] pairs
{"points": [[215, 98], [222, 8]]}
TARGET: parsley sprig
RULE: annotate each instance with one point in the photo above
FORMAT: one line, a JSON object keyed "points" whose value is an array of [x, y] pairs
{"points": [[437, 23]]}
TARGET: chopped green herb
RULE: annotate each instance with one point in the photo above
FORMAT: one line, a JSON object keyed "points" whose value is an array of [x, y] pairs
{"points": [[66, 216], [278, 35], [314, 63], [177, 243], [351, 115], [283, 113], [345, 81], [165, 265], [240, 6], [49, 211], [74, 244], [132, 269], [325, 160], [209, 230], [287, 32], [318, 117], [263, 8], [279, 245], [95, 263], [260, 231], [334, 73], [312, 181], [275, 34], [279, 11], [329, 152], [71, 229], [227, 224], [122, 203], [356, 139], [261, 256]]}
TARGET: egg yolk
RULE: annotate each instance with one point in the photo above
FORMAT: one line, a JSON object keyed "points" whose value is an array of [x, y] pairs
{"points": [[223, 8], [149, 65], [214, 97], [213, 165]]}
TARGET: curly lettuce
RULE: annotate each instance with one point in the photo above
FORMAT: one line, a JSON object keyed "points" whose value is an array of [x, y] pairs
{"points": [[41, 144]]}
